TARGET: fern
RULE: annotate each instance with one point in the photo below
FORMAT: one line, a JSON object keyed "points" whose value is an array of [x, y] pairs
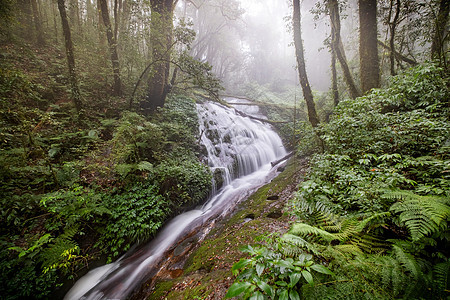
{"points": [[422, 215], [408, 261], [57, 253], [302, 229], [293, 245], [373, 221], [440, 279]]}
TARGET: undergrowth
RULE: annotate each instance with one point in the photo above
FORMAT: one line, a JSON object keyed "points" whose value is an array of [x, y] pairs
{"points": [[76, 190], [376, 205]]}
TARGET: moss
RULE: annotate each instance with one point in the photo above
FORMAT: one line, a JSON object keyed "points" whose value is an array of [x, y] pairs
{"points": [[208, 270], [161, 289]]}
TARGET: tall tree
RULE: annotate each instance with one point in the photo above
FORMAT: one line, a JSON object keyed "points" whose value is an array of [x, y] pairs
{"points": [[112, 42], [441, 30], [299, 53], [392, 28], [337, 45], [76, 96], [334, 82], [37, 23], [368, 50], [161, 43]]}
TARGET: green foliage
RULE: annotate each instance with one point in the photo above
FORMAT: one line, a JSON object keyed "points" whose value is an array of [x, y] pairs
{"points": [[186, 182], [135, 216], [422, 215], [376, 204], [136, 139], [199, 74], [268, 274]]}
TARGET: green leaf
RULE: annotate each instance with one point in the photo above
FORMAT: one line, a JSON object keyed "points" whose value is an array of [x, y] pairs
{"points": [[322, 269], [284, 295], [240, 264], [266, 288], [295, 277], [308, 277], [257, 296], [260, 269], [52, 152], [237, 288], [293, 295], [145, 166], [285, 264], [281, 283], [93, 134]]}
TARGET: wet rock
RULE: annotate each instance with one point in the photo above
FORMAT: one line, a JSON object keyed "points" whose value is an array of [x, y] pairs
{"points": [[275, 214], [249, 218]]}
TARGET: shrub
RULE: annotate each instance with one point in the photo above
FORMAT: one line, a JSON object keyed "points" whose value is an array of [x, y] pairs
{"points": [[186, 182], [136, 215]]}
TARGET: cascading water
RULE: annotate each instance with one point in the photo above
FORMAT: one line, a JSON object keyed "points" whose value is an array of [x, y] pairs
{"points": [[240, 151]]}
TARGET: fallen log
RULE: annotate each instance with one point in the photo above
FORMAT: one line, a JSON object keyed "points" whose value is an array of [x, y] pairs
{"points": [[274, 163]]}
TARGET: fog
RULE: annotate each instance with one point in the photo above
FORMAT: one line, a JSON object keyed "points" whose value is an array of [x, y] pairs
{"points": [[250, 41]]}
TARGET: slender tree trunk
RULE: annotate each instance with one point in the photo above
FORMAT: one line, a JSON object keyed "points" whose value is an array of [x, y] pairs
{"points": [[368, 50], [76, 97], [298, 42], [112, 48], [26, 17], [333, 7], [440, 31], [393, 26], [161, 39], [334, 77], [55, 23], [37, 23], [101, 36]]}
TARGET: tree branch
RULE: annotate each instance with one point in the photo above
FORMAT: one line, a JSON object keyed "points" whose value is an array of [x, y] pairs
{"points": [[398, 55]]}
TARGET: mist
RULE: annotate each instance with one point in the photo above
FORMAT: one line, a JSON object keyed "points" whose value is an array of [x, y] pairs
{"points": [[251, 42]]}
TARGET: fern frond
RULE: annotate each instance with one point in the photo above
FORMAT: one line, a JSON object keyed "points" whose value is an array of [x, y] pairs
{"points": [[408, 261], [348, 249], [294, 244], [322, 209], [422, 215], [374, 220], [369, 243], [349, 229], [70, 232], [302, 229], [441, 278], [54, 253]]}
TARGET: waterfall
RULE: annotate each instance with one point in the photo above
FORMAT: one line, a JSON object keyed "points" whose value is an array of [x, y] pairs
{"points": [[239, 154]]}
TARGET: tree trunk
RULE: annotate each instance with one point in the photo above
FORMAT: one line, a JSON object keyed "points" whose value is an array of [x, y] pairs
{"points": [[392, 26], [37, 24], [298, 42], [26, 17], [76, 97], [368, 51], [101, 36], [440, 31], [333, 7], [334, 77], [112, 48], [161, 28]]}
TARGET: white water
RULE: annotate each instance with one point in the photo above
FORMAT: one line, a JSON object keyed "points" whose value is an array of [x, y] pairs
{"points": [[241, 149]]}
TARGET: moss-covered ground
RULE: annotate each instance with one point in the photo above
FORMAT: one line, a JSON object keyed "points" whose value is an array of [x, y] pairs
{"points": [[207, 272]]}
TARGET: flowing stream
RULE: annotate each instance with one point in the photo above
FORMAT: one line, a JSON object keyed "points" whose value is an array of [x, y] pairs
{"points": [[240, 152]]}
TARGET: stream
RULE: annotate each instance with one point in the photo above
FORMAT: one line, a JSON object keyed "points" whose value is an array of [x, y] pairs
{"points": [[240, 151]]}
